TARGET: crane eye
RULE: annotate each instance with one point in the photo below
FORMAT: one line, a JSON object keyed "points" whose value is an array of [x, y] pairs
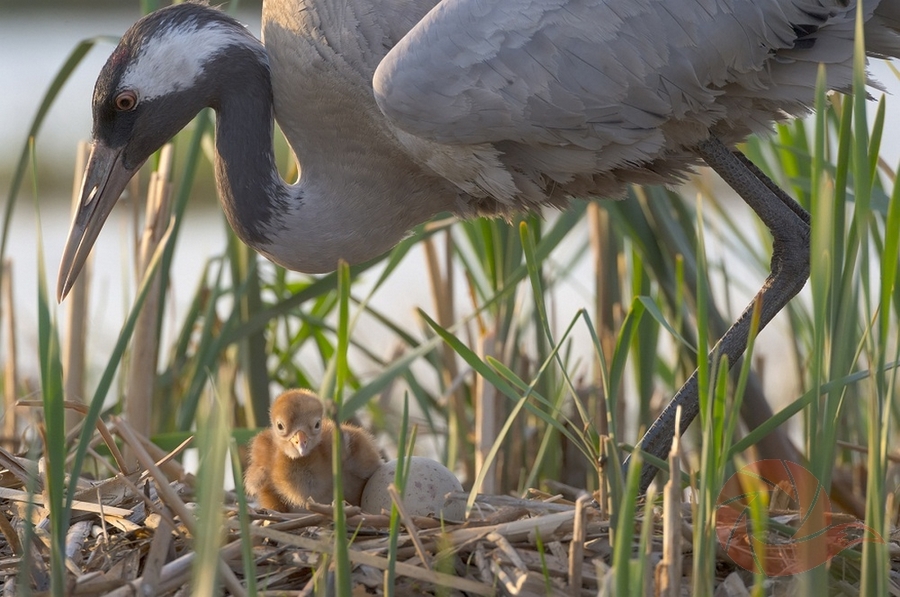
{"points": [[317, 425], [280, 426], [126, 101]]}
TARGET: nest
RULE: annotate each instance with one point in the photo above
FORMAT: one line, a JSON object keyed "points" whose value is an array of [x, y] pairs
{"points": [[133, 534]]}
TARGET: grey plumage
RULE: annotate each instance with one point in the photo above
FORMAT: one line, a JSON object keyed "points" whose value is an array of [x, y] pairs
{"points": [[619, 89]]}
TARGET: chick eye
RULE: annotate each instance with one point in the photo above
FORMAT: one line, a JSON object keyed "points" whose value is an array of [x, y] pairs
{"points": [[317, 425], [279, 426], [126, 101]]}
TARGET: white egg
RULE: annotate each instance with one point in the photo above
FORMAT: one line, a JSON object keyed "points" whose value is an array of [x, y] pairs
{"points": [[427, 485]]}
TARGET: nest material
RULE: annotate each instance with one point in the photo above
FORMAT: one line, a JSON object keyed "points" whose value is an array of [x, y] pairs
{"points": [[131, 534]]}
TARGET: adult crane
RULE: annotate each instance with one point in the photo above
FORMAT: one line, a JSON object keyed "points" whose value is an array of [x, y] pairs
{"points": [[397, 110]]}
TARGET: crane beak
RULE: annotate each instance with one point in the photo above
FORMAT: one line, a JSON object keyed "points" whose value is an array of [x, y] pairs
{"points": [[105, 177]]}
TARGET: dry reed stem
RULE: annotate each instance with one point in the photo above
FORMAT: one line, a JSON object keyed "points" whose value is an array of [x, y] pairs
{"points": [[668, 571], [864, 450], [26, 497], [156, 556], [138, 408], [165, 460], [507, 549], [607, 308], [9, 532], [441, 285], [410, 525], [576, 547], [11, 375]]}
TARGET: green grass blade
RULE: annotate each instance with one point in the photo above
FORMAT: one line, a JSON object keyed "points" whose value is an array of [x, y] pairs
{"points": [[623, 538], [341, 546], [55, 430], [490, 375], [213, 438], [252, 348], [404, 446]]}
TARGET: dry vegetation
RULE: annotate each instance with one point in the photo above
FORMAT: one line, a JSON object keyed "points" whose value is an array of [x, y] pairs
{"points": [[134, 534]]}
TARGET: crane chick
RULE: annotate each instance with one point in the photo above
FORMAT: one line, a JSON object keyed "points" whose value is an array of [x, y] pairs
{"points": [[290, 462]]}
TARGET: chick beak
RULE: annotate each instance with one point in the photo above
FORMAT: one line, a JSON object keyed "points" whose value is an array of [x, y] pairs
{"points": [[300, 441], [105, 177]]}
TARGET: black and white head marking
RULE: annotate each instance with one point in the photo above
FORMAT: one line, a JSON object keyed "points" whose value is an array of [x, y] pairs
{"points": [[159, 77], [168, 50], [174, 56]]}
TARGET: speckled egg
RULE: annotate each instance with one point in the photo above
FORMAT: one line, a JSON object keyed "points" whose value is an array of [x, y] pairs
{"points": [[428, 482]]}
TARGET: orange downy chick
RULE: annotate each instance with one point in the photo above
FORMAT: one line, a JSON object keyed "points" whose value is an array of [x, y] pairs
{"points": [[290, 462]]}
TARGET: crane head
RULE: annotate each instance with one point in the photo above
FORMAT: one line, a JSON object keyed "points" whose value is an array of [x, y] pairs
{"points": [[156, 80]]}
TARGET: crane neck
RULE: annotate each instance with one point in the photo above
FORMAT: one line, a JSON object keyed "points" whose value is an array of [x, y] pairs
{"points": [[250, 188]]}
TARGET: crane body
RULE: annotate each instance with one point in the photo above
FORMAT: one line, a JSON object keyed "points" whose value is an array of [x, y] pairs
{"points": [[397, 110]]}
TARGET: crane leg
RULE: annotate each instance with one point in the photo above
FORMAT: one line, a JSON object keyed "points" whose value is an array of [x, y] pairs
{"points": [[789, 224]]}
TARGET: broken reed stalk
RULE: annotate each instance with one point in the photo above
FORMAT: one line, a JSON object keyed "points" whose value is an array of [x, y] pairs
{"points": [[138, 407], [410, 526], [75, 337], [668, 571], [157, 555], [576, 547], [11, 371]]}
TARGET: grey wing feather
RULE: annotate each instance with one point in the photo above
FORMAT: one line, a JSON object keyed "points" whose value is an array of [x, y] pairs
{"points": [[601, 73]]}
